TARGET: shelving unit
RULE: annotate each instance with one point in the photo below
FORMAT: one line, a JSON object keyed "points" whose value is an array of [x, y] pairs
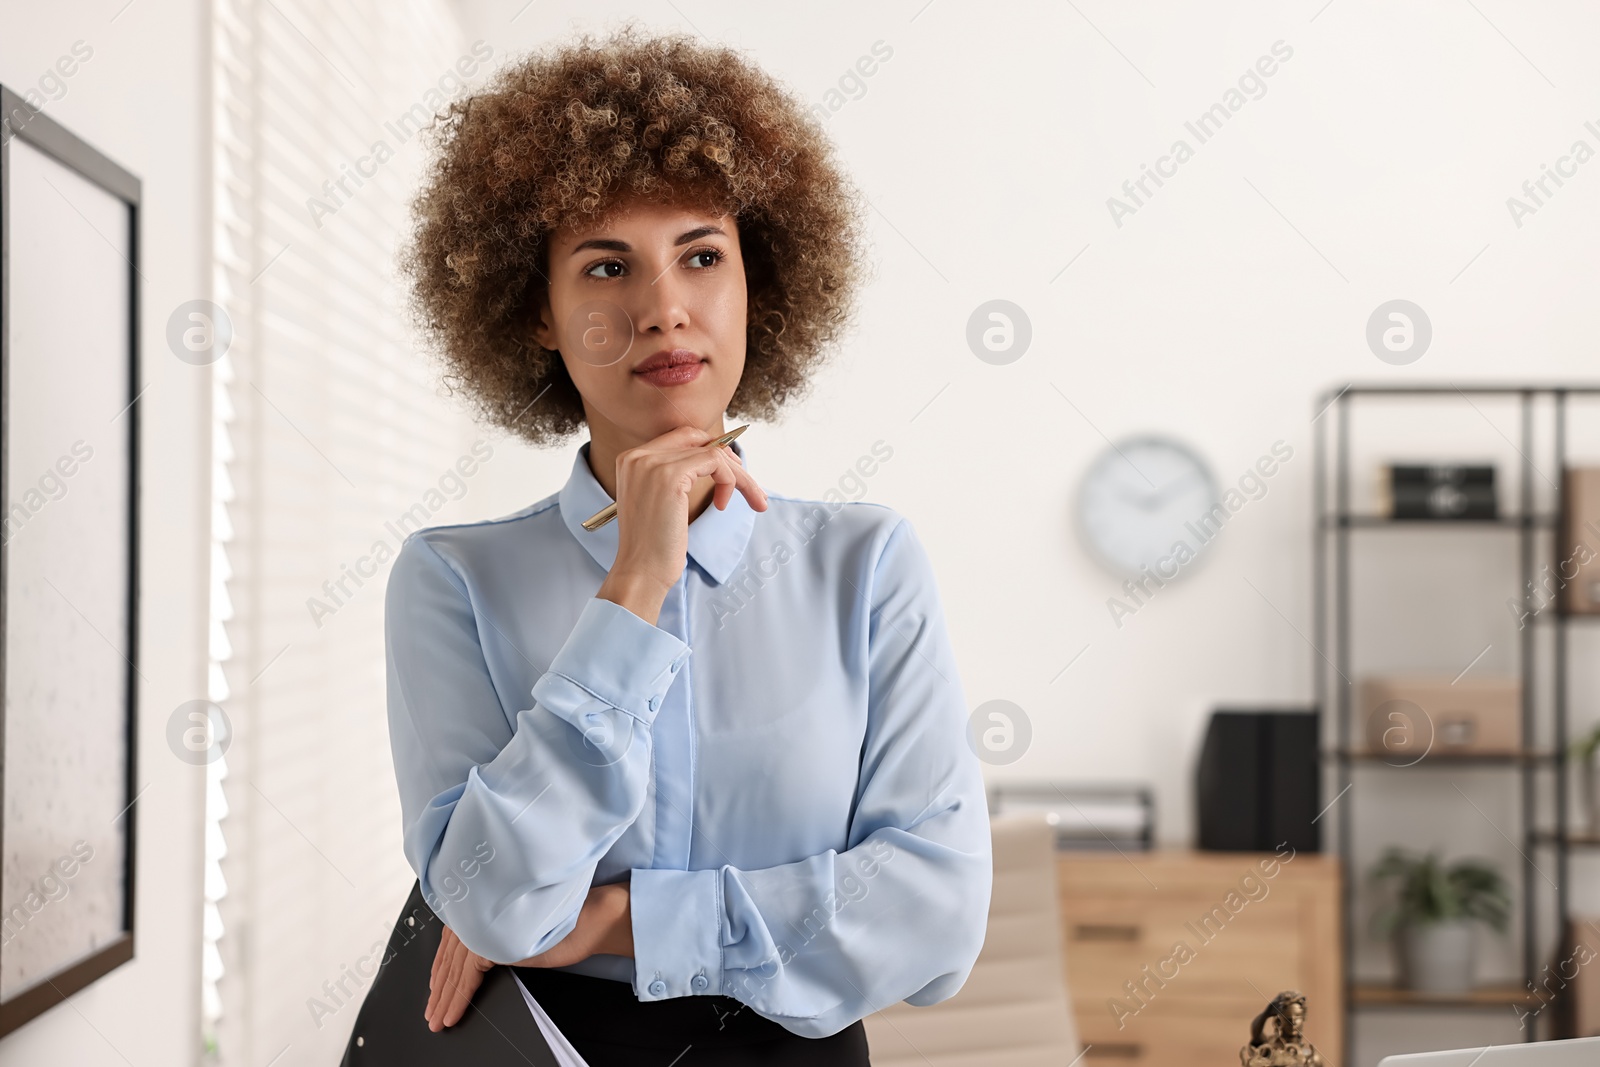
{"points": [[1544, 680]]}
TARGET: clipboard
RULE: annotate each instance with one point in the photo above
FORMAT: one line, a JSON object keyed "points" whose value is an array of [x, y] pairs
{"points": [[500, 1026]]}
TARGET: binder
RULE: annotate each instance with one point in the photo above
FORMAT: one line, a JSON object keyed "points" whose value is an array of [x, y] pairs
{"points": [[502, 1025], [565, 1054]]}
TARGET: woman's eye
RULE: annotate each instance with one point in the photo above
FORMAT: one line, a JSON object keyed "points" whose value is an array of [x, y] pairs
{"points": [[700, 260]]}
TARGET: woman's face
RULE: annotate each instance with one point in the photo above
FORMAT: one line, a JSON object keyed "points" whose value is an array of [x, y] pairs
{"points": [[653, 285]]}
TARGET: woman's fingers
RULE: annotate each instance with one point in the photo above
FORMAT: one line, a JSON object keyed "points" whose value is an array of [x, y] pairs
{"points": [[726, 479], [440, 992], [682, 450], [722, 465], [441, 960], [738, 480], [451, 957], [674, 440], [466, 985], [452, 983], [719, 464], [446, 940]]}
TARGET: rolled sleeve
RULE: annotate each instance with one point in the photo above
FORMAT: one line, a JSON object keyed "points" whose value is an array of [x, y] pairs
{"points": [[677, 933], [615, 656]]}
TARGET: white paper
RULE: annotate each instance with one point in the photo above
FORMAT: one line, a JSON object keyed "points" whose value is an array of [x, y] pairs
{"points": [[566, 1055]]}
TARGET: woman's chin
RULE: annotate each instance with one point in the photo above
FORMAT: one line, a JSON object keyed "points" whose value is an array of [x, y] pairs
{"points": [[673, 408]]}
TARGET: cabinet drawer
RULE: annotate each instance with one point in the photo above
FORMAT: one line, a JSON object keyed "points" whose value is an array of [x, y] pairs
{"points": [[1168, 1040], [1194, 955]]}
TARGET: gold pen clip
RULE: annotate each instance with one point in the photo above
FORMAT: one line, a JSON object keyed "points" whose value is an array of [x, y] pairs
{"points": [[609, 512]]}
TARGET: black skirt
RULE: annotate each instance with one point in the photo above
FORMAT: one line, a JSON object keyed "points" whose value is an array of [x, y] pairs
{"points": [[605, 1022], [611, 1027]]}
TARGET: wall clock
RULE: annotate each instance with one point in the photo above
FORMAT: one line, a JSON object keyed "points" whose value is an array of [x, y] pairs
{"points": [[1136, 501]]}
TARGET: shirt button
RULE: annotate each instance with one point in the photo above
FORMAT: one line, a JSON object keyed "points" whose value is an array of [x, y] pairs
{"points": [[655, 702], [657, 988], [699, 981]]}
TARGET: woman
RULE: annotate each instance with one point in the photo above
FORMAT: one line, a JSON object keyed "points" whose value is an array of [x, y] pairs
{"points": [[699, 777]]}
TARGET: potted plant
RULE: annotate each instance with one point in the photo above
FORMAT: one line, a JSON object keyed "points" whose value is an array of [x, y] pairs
{"points": [[1434, 913], [1586, 750]]}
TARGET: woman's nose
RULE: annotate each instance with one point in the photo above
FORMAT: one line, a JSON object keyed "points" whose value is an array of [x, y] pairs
{"points": [[660, 303]]}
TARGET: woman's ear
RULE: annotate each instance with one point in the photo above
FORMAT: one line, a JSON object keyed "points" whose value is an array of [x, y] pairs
{"points": [[540, 320]]}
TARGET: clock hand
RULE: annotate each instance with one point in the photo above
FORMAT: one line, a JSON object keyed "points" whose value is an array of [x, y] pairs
{"points": [[1150, 501], [1174, 486], [1144, 501]]}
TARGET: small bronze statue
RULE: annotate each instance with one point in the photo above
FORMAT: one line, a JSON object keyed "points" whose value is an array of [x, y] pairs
{"points": [[1287, 1046]]}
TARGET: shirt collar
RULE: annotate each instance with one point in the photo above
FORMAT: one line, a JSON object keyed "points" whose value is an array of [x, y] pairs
{"points": [[717, 539]]}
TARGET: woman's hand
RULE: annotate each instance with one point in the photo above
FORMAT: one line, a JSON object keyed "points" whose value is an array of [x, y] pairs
{"points": [[457, 973], [654, 481], [605, 925]]}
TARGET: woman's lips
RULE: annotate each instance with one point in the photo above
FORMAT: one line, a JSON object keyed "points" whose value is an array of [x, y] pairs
{"points": [[678, 375]]}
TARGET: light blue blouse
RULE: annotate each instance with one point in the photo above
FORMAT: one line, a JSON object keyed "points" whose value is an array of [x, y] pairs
{"points": [[779, 765]]}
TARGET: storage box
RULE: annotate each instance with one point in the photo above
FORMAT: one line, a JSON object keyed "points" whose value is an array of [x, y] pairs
{"points": [[1415, 715], [1578, 964], [1577, 576]]}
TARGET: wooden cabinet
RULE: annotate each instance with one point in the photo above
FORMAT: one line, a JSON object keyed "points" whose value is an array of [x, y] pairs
{"points": [[1170, 954]]}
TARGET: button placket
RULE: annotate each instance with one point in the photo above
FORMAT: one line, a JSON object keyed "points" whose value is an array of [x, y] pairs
{"points": [[672, 743]]}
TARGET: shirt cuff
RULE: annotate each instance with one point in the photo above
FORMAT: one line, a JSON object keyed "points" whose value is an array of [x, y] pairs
{"points": [[616, 656], [677, 932]]}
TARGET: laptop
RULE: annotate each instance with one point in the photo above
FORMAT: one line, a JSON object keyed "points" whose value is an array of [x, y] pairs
{"points": [[1582, 1052]]}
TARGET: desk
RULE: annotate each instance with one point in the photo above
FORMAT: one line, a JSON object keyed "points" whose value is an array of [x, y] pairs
{"points": [[1141, 999]]}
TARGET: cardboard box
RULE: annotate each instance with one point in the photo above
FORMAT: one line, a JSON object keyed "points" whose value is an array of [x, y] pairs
{"points": [[1577, 965], [1577, 572], [1408, 716]]}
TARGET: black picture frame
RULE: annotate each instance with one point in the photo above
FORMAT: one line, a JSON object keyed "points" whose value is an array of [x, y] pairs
{"points": [[21, 121]]}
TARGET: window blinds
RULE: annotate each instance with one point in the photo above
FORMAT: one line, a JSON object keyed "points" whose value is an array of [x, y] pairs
{"points": [[328, 428]]}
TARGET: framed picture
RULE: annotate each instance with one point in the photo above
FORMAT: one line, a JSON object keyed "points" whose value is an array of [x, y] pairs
{"points": [[69, 577]]}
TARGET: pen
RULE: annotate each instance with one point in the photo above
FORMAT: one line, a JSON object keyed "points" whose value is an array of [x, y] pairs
{"points": [[609, 512]]}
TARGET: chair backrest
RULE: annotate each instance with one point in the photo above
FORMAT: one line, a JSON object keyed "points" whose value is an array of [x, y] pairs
{"points": [[1013, 1010]]}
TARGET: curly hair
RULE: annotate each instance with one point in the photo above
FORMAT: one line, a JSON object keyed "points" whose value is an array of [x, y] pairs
{"points": [[564, 134]]}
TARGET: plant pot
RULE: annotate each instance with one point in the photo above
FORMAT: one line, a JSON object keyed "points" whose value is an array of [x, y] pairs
{"points": [[1438, 957]]}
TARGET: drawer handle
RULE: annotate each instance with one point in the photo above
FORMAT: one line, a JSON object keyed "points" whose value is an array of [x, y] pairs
{"points": [[1105, 932], [1114, 1050]]}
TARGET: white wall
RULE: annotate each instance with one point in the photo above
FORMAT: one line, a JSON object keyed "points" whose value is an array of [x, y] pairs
{"points": [[140, 99]]}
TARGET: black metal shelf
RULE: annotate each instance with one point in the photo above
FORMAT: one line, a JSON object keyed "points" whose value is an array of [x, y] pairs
{"points": [[1441, 759], [1510, 522], [1544, 677], [1570, 840], [1445, 392]]}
